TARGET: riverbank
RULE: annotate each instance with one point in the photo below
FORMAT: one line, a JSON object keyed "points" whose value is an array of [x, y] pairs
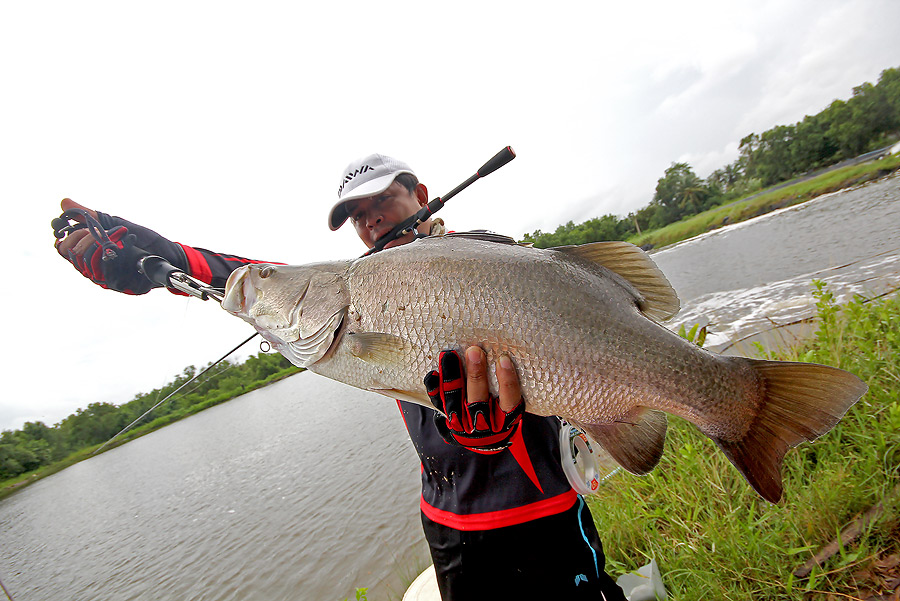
{"points": [[714, 538], [13, 485], [779, 197]]}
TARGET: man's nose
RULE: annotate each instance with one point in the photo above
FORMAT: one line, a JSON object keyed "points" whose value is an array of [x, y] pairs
{"points": [[373, 219]]}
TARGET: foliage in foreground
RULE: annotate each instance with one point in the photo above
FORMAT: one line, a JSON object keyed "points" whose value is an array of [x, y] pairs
{"points": [[714, 538]]}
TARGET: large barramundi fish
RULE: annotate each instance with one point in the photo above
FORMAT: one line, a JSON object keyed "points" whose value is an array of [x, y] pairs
{"points": [[581, 323]]}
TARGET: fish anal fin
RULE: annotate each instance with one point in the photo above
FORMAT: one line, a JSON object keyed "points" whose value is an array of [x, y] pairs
{"points": [[635, 441], [377, 347], [802, 402], [658, 299]]}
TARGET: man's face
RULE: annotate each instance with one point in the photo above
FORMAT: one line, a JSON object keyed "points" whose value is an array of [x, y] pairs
{"points": [[375, 216]]}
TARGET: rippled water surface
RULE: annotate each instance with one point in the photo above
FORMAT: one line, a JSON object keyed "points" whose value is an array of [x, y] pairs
{"points": [[265, 497], [753, 276], [308, 488]]}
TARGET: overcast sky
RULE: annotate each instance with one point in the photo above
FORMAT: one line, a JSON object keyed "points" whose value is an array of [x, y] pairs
{"points": [[227, 125]]}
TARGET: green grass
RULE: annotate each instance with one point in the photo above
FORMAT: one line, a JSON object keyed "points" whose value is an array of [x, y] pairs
{"points": [[714, 538], [767, 202]]}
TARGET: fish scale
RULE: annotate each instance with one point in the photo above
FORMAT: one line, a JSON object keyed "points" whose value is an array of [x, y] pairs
{"points": [[472, 282], [496, 321], [581, 325]]}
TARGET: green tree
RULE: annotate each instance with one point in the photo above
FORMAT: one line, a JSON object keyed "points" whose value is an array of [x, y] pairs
{"points": [[812, 147], [15, 460], [889, 85], [725, 178], [96, 424], [773, 160], [679, 193]]}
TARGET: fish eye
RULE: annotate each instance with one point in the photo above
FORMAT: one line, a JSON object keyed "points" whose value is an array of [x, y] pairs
{"points": [[266, 271]]}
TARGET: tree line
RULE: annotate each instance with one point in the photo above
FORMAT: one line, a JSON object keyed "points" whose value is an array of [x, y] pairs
{"points": [[869, 120], [36, 444]]}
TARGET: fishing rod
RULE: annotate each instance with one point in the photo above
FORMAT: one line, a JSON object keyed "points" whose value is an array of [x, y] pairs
{"points": [[159, 271], [410, 224]]}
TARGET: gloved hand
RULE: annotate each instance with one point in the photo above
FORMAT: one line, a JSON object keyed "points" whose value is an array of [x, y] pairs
{"points": [[133, 241], [478, 425], [119, 273]]}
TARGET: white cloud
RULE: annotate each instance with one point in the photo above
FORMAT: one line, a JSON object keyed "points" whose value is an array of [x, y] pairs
{"points": [[226, 126]]}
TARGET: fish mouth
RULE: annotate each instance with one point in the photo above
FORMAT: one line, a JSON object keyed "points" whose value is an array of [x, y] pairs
{"points": [[236, 288]]}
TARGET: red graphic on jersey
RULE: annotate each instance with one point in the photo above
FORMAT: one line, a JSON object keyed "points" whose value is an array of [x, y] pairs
{"points": [[520, 454]]}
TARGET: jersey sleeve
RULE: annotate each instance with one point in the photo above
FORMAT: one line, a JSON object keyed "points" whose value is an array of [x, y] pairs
{"points": [[214, 267]]}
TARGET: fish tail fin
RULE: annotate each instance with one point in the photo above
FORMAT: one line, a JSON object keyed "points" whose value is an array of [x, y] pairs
{"points": [[802, 402]]}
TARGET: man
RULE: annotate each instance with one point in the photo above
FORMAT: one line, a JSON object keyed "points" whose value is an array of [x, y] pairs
{"points": [[501, 520]]}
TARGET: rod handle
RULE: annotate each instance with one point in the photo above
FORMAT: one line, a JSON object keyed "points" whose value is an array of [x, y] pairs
{"points": [[497, 161]]}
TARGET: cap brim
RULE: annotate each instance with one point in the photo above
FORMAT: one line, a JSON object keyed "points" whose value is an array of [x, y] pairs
{"points": [[338, 214]]}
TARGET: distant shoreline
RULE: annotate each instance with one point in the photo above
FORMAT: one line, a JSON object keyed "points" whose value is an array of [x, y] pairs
{"points": [[777, 197], [14, 485]]}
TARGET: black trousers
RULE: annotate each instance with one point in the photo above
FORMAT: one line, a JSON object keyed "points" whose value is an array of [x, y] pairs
{"points": [[556, 557]]}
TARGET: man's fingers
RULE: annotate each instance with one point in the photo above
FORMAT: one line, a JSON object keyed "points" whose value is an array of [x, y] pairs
{"points": [[508, 380], [68, 203], [71, 241], [83, 243], [476, 375], [79, 240]]}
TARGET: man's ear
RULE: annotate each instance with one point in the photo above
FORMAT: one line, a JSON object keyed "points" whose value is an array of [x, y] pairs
{"points": [[422, 194]]}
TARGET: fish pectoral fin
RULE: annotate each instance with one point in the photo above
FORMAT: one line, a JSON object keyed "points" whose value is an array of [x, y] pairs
{"points": [[658, 299], [419, 398], [635, 441], [377, 347]]}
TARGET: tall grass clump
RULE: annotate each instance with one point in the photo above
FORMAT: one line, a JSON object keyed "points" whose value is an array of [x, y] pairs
{"points": [[715, 538]]}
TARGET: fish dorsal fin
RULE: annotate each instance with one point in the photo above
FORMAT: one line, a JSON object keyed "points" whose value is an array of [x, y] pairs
{"points": [[484, 236], [658, 299], [376, 347], [636, 441]]}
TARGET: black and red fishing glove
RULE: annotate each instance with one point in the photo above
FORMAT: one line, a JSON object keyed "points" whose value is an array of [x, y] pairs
{"points": [[117, 273], [481, 426], [132, 242]]}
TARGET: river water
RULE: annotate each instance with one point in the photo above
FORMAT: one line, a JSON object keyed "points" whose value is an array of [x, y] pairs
{"points": [[308, 488], [746, 282]]}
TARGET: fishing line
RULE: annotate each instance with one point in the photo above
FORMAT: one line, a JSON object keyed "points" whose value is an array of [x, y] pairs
{"points": [[8, 596], [170, 395], [199, 384], [159, 271]]}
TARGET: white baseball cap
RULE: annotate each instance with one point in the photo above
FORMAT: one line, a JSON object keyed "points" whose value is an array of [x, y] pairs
{"points": [[362, 178]]}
